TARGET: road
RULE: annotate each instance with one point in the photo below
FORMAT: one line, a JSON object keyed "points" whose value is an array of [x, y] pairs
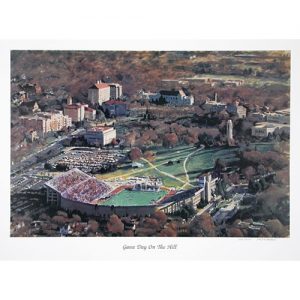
{"points": [[23, 174]]}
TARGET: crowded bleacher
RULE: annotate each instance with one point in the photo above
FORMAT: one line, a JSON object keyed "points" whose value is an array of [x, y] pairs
{"points": [[63, 182], [87, 191]]}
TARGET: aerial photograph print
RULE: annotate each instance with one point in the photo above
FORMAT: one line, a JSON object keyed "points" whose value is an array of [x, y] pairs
{"points": [[150, 144]]}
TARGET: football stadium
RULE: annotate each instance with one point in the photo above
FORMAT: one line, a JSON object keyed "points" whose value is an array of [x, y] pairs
{"points": [[77, 191]]}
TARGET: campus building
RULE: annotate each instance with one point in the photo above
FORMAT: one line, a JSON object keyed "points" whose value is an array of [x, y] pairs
{"points": [[115, 108], [100, 135], [173, 97], [101, 92], [279, 116], [256, 117], [217, 81], [214, 106], [208, 186], [176, 202], [205, 192], [177, 97], [89, 113], [263, 129], [79, 111], [236, 109], [116, 91], [147, 184], [44, 122]]}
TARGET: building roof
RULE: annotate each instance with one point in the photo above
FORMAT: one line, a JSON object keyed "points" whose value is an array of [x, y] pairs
{"points": [[114, 84], [99, 85], [72, 106], [114, 102], [64, 181], [169, 93], [180, 196], [270, 125], [100, 129], [89, 109]]}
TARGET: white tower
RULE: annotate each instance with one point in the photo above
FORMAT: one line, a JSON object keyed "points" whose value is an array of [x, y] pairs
{"points": [[229, 131], [216, 97], [69, 100]]}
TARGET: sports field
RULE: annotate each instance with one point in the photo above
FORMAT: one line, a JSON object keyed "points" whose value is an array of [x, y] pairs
{"points": [[134, 198]]}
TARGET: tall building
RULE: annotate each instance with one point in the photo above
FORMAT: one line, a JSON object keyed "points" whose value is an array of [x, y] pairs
{"points": [[69, 100], [100, 135], [78, 111], [115, 91], [99, 93], [208, 186], [44, 122], [229, 131], [36, 108], [75, 111]]}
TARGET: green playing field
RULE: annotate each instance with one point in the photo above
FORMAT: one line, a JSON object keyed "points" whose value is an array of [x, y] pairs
{"points": [[134, 198]]}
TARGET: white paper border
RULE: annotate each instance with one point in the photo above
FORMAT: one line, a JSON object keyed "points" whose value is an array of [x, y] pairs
{"points": [[111, 248]]}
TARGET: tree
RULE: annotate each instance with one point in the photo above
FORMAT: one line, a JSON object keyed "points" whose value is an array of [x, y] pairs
{"points": [[130, 139], [276, 228], [114, 142], [149, 155], [23, 110], [234, 232], [115, 225], [135, 154], [62, 213], [76, 218], [249, 172], [170, 139], [160, 216], [47, 166], [169, 231], [93, 226], [60, 220], [274, 203], [202, 225]]}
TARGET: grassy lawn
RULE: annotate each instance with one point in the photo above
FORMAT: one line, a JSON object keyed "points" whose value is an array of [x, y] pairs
{"points": [[198, 162], [206, 159]]}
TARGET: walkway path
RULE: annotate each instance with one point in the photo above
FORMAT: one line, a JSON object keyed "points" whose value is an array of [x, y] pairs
{"points": [[162, 172], [185, 162]]}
